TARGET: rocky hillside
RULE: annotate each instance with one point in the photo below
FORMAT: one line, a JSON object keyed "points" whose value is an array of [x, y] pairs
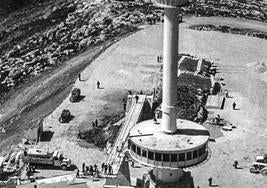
{"points": [[36, 35], [35, 39]]}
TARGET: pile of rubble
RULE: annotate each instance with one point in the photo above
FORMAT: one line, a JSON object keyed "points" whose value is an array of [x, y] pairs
{"points": [[228, 29], [91, 23], [250, 9]]}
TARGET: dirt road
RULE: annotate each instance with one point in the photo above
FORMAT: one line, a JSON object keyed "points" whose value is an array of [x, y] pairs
{"points": [[37, 98]]}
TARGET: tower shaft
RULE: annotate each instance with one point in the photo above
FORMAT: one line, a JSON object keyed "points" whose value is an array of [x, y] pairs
{"points": [[170, 59]]}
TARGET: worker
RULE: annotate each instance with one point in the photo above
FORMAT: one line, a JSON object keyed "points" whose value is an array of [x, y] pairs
{"points": [[160, 58], [226, 94], [25, 153], [103, 167], [79, 77], [235, 164], [155, 120], [98, 84], [77, 173], [79, 135], [83, 167], [132, 164], [110, 169], [124, 106], [136, 98], [95, 167], [91, 170], [96, 123], [106, 168], [210, 181], [234, 105]]}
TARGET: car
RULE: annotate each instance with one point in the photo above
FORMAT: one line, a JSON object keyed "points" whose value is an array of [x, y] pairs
{"points": [[65, 116], [75, 95]]}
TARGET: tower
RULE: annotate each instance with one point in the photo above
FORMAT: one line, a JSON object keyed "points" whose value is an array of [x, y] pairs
{"points": [[172, 144]]}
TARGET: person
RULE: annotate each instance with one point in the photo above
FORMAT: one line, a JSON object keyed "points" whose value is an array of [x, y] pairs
{"points": [[109, 169], [226, 94], [103, 167], [155, 120], [106, 168], [87, 170], [98, 84], [79, 135], [235, 164], [136, 98], [77, 173], [132, 164], [234, 105], [210, 181], [83, 167], [80, 77], [25, 153], [91, 170], [96, 123], [124, 106], [95, 167], [158, 59]]}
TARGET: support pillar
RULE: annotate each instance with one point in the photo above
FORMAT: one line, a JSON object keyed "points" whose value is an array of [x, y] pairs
{"points": [[170, 59]]}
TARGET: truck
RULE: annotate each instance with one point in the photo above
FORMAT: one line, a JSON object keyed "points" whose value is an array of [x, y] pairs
{"points": [[261, 158], [41, 158], [259, 168]]}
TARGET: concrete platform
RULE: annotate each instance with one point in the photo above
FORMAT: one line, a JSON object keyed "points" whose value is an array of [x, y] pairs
{"points": [[150, 136]]}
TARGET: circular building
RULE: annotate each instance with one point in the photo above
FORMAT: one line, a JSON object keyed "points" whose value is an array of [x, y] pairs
{"points": [[149, 145]]}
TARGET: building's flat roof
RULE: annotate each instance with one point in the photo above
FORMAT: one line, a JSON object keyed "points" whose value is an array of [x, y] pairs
{"points": [[150, 136]]}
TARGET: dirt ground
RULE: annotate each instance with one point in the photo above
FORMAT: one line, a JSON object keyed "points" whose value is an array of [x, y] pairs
{"points": [[130, 65]]}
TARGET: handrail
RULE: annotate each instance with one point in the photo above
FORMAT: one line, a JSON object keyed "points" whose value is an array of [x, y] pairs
{"points": [[123, 133]]}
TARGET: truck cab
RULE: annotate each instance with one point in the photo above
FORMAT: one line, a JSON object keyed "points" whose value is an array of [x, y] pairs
{"points": [[261, 158]]}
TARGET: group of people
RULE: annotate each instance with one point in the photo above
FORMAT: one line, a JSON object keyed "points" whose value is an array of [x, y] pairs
{"points": [[159, 58], [107, 168], [91, 170]]}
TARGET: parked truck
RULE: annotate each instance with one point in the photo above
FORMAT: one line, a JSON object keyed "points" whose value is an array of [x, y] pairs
{"points": [[41, 158]]}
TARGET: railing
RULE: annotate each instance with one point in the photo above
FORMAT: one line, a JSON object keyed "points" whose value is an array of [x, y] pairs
{"points": [[116, 154]]}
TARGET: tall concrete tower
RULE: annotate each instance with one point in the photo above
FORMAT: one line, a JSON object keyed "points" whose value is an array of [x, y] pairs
{"points": [[170, 59], [172, 144]]}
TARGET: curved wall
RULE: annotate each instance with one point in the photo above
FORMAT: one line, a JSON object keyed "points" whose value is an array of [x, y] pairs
{"points": [[168, 159]]}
